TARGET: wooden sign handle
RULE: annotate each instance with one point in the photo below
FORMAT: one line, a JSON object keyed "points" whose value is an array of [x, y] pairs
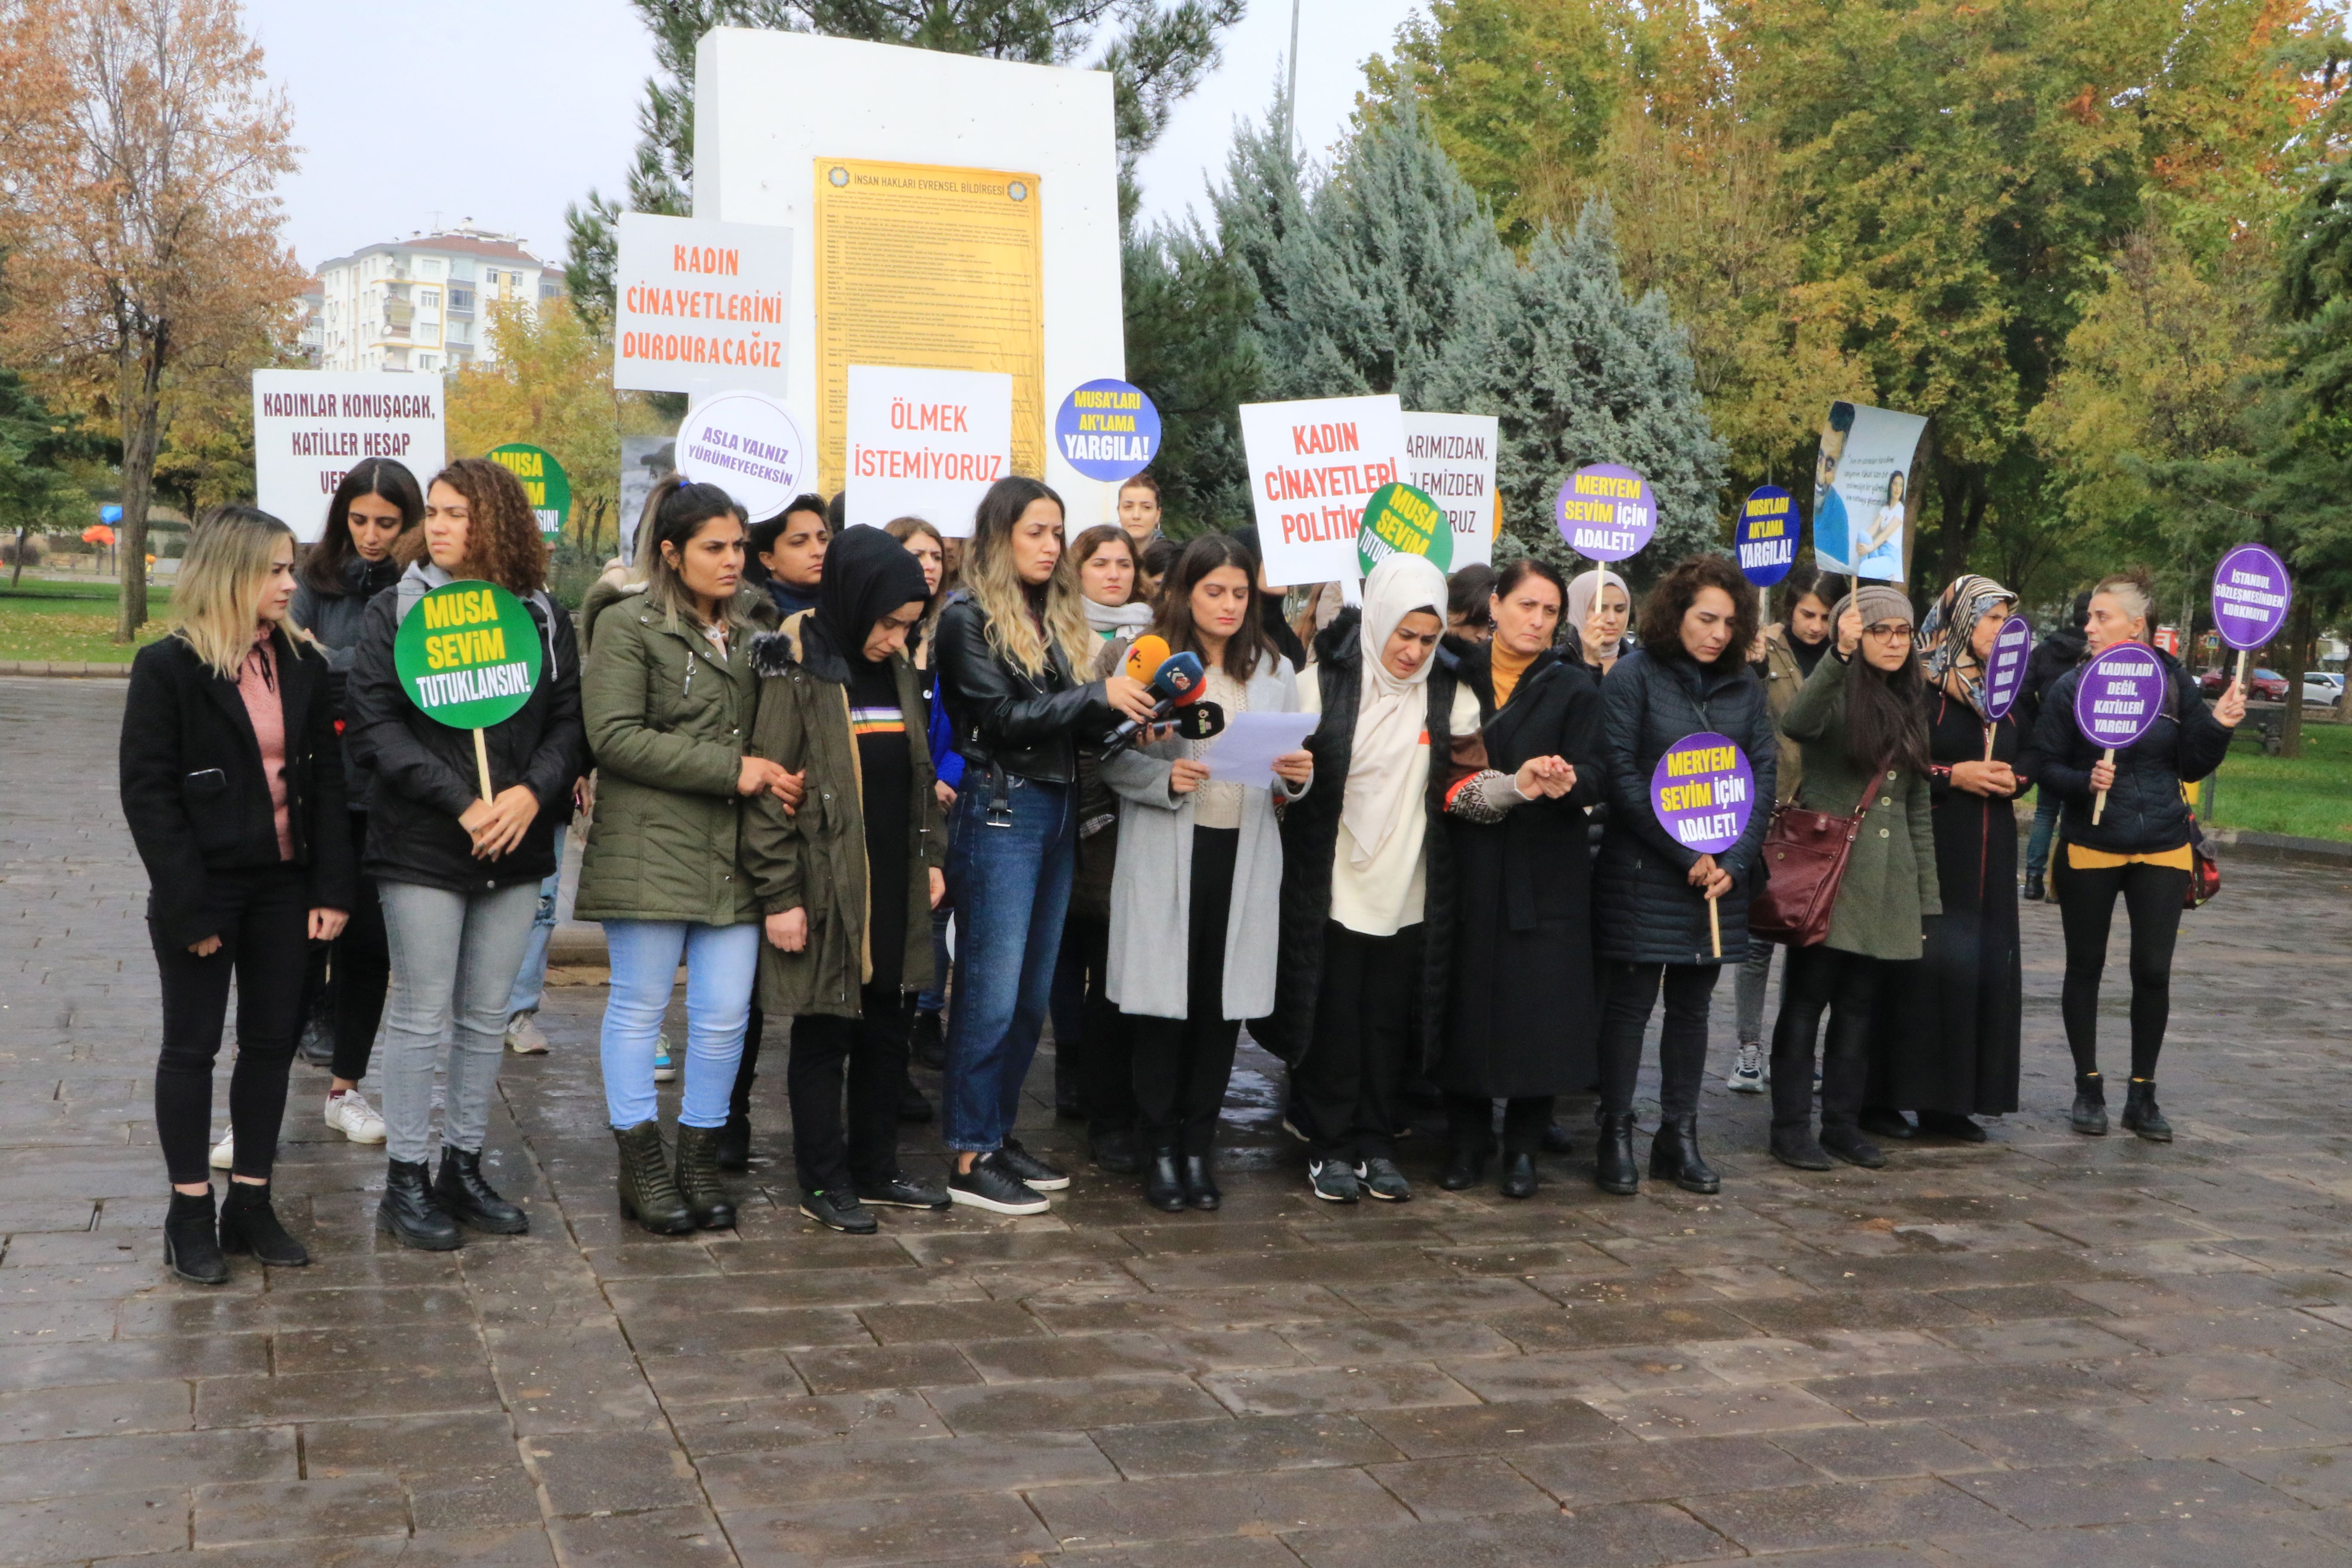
{"points": [[1714, 926], [482, 762], [2243, 654], [2100, 804], [1989, 730]]}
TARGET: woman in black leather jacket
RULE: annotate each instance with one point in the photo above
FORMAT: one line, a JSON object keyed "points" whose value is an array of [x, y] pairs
{"points": [[1008, 643], [2139, 848]]}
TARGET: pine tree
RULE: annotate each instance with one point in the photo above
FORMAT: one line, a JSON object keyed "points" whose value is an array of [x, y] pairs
{"points": [[1156, 55]]}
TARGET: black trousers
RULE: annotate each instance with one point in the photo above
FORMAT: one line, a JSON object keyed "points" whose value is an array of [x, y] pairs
{"points": [[1182, 1064], [360, 972], [2153, 898], [870, 1052], [1346, 1091], [1102, 1055], [1633, 990], [1846, 983], [265, 946], [1470, 1122]]}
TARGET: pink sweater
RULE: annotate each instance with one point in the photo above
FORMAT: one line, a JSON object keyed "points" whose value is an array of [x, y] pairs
{"points": [[256, 682]]}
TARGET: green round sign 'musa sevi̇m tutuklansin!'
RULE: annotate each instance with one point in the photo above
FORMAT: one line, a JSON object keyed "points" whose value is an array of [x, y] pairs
{"points": [[543, 480], [469, 655], [1401, 521]]}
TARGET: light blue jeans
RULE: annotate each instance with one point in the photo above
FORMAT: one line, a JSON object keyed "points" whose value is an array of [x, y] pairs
{"points": [[721, 964], [530, 980]]}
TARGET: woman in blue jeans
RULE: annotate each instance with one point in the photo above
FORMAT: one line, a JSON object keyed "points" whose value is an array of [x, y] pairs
{"points": [[1008, 643], [668, 700]]}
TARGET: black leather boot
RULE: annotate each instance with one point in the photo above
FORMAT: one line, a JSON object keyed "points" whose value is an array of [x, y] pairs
{"points": [[1465, 1165], [410, 1213], [1201, 1183], [2140, 1114], [927, 1042], [1518, 1177], [1613, 1170], [2089, 1116], [248, 1225], [191, 1243], [735, 1144], [697, 1178], [1163, 1187], [470, 1200], [1796, 1146], [1675, 1157], [1843, 1141], [648, 1193]]}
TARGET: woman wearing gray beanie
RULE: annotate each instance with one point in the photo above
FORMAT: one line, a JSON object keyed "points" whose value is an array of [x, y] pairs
{"points": [[1863, 724]]}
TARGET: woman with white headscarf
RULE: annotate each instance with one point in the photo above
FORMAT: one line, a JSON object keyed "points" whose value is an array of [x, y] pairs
{"points": [[1367, 890], [1598, 623]]}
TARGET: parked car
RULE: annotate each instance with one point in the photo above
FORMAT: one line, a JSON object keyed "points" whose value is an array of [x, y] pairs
{"points": [[2322, 689], [2261, 684]]}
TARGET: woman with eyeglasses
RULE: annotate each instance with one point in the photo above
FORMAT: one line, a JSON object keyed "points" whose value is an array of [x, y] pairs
{"points": [[1861, 721]]}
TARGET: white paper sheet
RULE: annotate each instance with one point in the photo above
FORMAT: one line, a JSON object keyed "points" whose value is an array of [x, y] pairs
{"points": [[1245, 753]]}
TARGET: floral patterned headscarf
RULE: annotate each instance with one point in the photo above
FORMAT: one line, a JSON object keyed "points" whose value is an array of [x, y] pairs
{"points": [[1946, 639]]}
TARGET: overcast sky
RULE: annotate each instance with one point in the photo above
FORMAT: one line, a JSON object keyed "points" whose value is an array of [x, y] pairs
{"points": [[440, 110]]}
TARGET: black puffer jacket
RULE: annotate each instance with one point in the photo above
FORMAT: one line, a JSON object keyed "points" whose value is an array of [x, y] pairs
{"points": [[2053, 657], [334, 620], [2145, 812], [422, 775], [1004, 717], [1644, 909], [1310, 837]]}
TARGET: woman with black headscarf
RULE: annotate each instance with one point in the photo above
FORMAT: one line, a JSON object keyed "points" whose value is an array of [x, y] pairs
{"points": [[846, 883]]}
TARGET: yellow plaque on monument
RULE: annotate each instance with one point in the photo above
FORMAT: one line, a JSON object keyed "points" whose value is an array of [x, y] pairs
{"points": [[922, 265]]}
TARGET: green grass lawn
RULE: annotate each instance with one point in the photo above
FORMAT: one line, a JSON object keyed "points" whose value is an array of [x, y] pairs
{"points": [[48, 620], [2309, 796]]}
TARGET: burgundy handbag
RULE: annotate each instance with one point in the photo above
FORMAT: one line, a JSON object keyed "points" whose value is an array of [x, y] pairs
{"points": [[1804, 861]]}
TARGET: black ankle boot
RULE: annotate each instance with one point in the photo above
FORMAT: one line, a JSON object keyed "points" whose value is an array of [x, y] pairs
{"points": [[1844, 1141], [735, 1144], [1163, 1187], [2089, 1116], [1797, 1147], [927, 1042], [1613, 1170], [1675, 1157], [248, 1225], [1201, 1183], [648, 1193], [1465, 1163], [2140, 1114], [697, 1178], [1518, 1178], [470, 1200], [191, 1243], [410, 1213]]}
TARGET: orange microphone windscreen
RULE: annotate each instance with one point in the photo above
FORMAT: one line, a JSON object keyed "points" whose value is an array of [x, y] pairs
{"points": [[1145, 656]]}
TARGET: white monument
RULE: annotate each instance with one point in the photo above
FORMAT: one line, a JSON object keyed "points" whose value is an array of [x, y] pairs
{"points": [[951, 212]]}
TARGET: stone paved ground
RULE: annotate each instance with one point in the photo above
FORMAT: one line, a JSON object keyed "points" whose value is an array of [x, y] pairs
{"points": [[2045, 1349]]}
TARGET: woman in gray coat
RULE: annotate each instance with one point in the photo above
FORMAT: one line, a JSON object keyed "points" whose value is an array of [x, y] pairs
{"points": [[1196, 900], [1862, 722]]}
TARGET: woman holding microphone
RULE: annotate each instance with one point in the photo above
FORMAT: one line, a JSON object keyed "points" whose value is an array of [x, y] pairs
{"points": [[1196, 898], [459, 875], [1861, 719], [1690, 676], [1009, 643], [234, 793], [2138, 850], [669, 700]]}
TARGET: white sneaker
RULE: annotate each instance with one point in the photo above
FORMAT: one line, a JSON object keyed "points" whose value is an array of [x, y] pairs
{"points": [[665, 1065], [523, 1037], [224, 1151], [1748, 1072], [350, 1114]]}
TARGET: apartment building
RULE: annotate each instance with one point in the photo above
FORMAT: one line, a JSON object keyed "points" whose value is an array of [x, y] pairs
{"points": [[420, 303]]}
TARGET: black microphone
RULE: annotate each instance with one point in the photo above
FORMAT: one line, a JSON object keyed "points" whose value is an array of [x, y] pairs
{"points": [[1179, 677], [1199, 720]]}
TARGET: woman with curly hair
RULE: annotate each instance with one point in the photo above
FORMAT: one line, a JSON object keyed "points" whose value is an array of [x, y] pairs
{"points": [[459, 875], [1690, 676]]}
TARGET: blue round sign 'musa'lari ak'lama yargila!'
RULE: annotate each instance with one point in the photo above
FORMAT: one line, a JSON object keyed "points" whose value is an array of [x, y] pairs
{"points": [[1108, 430]]}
